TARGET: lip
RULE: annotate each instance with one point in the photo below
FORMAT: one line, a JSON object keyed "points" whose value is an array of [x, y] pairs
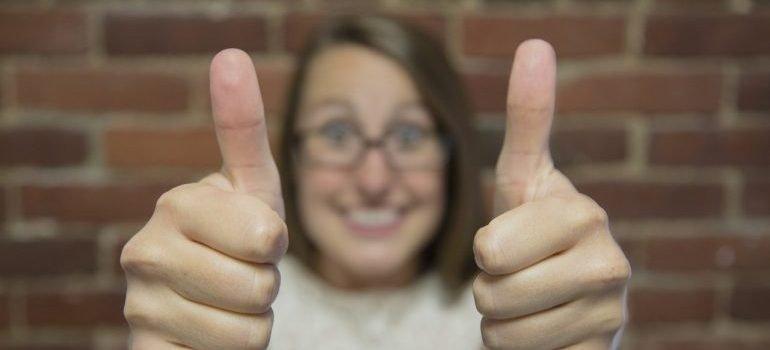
{"points": [[379, 231]]}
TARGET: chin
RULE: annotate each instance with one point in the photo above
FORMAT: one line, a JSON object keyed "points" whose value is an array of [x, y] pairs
{"points": [[377, 263]]}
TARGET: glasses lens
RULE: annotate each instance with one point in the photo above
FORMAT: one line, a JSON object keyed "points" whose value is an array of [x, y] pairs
{"points": [[336, 143], [414, 147]]}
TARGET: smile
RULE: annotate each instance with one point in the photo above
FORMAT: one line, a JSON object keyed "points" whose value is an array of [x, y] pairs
{"points": [[374, 222]]}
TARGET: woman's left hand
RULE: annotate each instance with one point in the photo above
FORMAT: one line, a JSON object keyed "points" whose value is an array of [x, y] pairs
{"points": [[552, 274]]}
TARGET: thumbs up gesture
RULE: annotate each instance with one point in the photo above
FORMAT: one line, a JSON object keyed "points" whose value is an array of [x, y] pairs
{"points": [[551, 276], [202, 272]]}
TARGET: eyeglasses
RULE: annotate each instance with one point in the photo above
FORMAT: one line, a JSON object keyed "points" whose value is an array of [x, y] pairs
{"points": [[341, 144]]}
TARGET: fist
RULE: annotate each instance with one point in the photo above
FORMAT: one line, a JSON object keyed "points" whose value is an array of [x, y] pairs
{"points": [[202, 272], [552, 275]]}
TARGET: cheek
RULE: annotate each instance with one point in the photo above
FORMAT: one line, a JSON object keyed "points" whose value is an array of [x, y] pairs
{"points": [[317, 184], [428, 188]]}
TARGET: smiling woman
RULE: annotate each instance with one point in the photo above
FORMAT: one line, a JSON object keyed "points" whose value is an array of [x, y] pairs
{"points": [[364, 79]]}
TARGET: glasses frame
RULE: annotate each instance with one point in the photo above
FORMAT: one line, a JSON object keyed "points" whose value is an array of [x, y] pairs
{"points": [[372, 143]]}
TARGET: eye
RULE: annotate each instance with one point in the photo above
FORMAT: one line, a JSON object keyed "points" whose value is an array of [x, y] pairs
{"points": [[338, 132], [407, 135]]}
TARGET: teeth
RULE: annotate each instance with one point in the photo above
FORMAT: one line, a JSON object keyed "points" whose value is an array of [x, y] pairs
{"points": [[380, 217]]}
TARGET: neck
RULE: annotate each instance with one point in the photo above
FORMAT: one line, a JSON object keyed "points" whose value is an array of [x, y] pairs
{"points": [[338, 277]]}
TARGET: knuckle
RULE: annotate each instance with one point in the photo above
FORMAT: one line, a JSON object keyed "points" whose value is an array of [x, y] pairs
{"points": [[490, 334], [485, 250], [587, 213], [176, 199], [265, 288], [137, 314], [612, 271], [260, 330], [614, 318], [482, 295], [140, 258], [272, 237]]}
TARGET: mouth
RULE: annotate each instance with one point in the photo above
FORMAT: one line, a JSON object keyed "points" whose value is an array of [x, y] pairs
{"points": [[374, 223]]}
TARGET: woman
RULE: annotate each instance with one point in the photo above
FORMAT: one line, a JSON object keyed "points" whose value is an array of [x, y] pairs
{"points": [[382, 206]]}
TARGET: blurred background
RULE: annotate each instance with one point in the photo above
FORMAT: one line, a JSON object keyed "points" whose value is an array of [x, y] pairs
{"points": [[663, 118]]}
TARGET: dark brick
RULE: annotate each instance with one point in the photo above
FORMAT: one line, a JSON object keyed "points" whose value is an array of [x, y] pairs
{"points": [[144, 147], [756, 197], [75, 309], [655, 200], [708, 253], [647, 92], [750, 303], [722, 34], [737, 147], [100, 90], [498, 36], [754, 92], [662, 305], [25, 31], [49, 257], [42, 146], [91, 203], [177, 34]]}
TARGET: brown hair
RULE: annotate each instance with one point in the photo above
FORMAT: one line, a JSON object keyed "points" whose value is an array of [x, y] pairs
{"points": [[450, 252]]}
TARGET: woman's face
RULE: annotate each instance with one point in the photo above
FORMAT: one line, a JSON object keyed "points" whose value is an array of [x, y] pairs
{"points": [[369, 206]]}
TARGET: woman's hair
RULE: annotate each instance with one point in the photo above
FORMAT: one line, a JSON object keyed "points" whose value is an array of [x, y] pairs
{"points": [[450, 252]]}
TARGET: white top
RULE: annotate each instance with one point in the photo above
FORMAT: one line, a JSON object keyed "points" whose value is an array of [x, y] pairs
{"points": [[310, 314]]}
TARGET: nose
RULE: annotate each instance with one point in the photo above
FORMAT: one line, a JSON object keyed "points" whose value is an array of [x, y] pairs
{"points": [[374, 177]]}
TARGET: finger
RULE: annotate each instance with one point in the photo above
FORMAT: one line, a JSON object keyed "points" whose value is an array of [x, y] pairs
{"points": [[534, 231], [239, 119], [237, 225], [525, 159], [204, 327], [208, 277], [546, 285], [553, 328], [147, 340]]}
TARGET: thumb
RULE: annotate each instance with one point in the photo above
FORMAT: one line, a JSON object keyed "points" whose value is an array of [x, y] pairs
{"points": [[239, 120], [525, 161]]}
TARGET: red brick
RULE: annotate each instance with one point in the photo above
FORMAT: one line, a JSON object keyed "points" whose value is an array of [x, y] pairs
{"points": [[754, 92], [42, 146], [91, 203], [487, 91], [49, 257], [690, 5], [498, 36], [297, 26], [178, 147], [662, 305], [100, 90], [750, 303], [75, 309], [756, 197], [31, 344], [646, 92], [568, 147], [656, 200], [26, 31], [178, 34], [708, 253], [5, 312], [2, 206], [722, 34], [737, 147]]}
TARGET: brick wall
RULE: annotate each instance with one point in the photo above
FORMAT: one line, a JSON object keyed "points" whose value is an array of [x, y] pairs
{"points": [[664, 110]]}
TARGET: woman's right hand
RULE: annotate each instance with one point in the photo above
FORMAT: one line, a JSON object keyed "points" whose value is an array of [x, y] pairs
{"points": [[202, 272]]}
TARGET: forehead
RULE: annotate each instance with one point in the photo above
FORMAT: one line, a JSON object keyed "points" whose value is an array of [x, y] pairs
{"points": [[368, 81]]}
